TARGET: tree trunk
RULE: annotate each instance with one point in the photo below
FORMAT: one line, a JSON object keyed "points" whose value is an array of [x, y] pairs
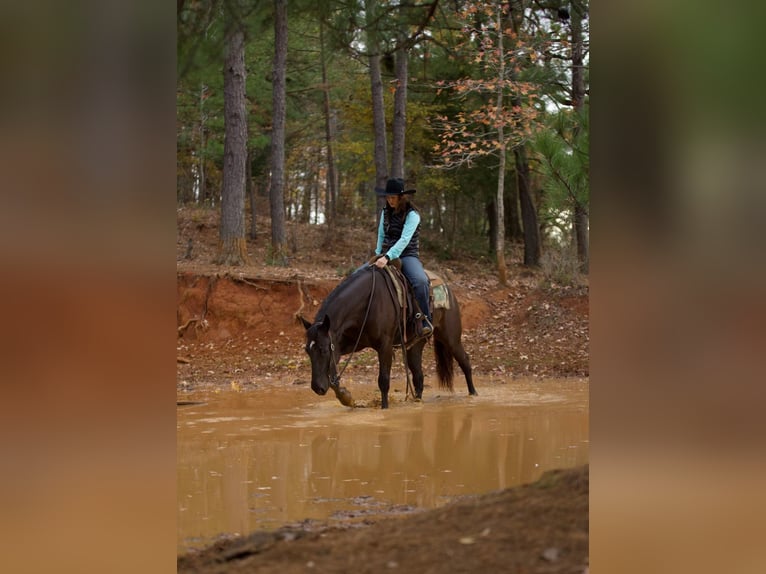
{"points": [[249, 193], [253, 211], [502, 272], [581, 236], [528, 211], [399, 128], [232, 247], [277, 195], [453, 223], [330, 190], [202, 175], [578, 103], [530, 228], [302, 203], [513, 229], [334, 185], [492, 218], [380, 151]]}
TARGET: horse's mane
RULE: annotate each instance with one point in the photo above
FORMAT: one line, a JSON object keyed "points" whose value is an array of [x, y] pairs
{"points": [[337, 293]]}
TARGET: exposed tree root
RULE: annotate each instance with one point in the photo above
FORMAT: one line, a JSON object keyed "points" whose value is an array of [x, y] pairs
{"points": [[182, 328]]}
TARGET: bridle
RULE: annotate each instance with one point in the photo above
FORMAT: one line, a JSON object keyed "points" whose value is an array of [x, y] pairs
{"points": [[332, 373]]}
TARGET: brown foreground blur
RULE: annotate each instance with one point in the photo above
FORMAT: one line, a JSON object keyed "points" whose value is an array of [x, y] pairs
{"points": [[87, 413], [677, 307]]}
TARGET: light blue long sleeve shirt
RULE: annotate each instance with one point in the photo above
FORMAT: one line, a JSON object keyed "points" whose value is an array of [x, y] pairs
{"points": [[410, 225]]}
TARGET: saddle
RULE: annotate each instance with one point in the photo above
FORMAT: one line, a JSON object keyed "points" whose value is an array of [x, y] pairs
{"points": [[438, 297]]}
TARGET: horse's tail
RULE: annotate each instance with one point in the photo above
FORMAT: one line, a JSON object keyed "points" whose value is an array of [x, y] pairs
{"points": [[445, 366]]}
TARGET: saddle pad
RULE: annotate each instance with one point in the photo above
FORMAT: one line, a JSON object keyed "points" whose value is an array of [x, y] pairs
{"points": [[439, 291], [441, 297]]}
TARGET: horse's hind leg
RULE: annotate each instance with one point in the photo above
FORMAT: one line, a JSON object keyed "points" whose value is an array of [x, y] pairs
{"points": [[415, 364], [465, 365]]}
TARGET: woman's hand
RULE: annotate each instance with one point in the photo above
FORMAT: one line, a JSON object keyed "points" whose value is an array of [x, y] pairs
{"points": [[381, 262]]}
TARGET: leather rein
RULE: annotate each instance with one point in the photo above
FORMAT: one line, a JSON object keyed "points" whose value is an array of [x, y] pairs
{"points": [[335, 378]]}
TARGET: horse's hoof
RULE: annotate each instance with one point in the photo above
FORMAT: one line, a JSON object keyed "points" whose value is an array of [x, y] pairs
{"points": [[344, 396]]}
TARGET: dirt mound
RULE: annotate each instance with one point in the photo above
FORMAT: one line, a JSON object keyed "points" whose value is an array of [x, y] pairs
{"points": [[542, 527]]}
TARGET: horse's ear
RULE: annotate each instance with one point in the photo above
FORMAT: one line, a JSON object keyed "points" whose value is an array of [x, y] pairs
{"points": [[305, 323], [325, 326]]}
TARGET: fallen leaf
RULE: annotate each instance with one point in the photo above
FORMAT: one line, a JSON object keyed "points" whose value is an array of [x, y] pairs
{"points": [[550, 554]]}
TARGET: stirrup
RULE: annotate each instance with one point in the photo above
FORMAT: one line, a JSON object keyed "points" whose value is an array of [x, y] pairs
{"points": [[419, 316], [422, 334], [426, 323]]}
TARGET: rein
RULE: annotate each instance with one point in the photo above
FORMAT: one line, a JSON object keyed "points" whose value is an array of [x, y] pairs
{"points": [[401, 326], [335, 379]]}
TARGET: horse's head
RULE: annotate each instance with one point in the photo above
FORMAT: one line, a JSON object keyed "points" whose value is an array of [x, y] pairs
{"points": [[323, 354]]}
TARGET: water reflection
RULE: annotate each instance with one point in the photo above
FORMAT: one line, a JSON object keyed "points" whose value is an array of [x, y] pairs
{"points": [[263, 459]]}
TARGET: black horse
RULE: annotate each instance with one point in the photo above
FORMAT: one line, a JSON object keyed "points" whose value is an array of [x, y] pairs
{"points": [[363, 311]]}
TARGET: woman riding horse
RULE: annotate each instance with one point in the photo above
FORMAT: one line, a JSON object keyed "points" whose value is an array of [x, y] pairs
{"points": [[364, 312], [398, 238]]}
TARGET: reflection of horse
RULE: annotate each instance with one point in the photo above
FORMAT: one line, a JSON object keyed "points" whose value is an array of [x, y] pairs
{"points": [[363, 311]]}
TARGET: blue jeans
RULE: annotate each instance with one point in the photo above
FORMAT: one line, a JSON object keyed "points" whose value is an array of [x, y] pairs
{"points": [[416, 275]]}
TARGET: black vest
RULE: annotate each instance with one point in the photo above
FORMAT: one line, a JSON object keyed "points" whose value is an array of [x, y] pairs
{"points": [[393, 225]]}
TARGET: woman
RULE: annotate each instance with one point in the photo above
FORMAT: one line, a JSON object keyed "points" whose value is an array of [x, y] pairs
{"points": [[398, 237]]}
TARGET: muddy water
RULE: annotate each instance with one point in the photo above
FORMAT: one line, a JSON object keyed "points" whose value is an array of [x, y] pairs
{"points": [[278, 455]]}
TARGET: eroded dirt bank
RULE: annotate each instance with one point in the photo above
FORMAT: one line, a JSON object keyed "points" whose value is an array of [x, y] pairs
{"points": [[236, 328]]}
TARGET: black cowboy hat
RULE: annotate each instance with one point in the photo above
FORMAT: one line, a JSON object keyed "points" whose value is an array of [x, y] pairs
{"points": [[394, 186]]}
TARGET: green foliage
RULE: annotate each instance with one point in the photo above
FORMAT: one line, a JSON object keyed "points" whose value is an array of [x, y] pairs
{"points": [[453, 202], [562, 151], [199, 94]]}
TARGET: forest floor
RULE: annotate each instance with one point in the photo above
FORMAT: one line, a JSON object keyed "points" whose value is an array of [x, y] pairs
{"points": [[238, 328]]}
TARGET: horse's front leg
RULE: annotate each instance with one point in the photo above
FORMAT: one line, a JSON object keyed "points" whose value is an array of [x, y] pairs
{"points": [[385, 357]]}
